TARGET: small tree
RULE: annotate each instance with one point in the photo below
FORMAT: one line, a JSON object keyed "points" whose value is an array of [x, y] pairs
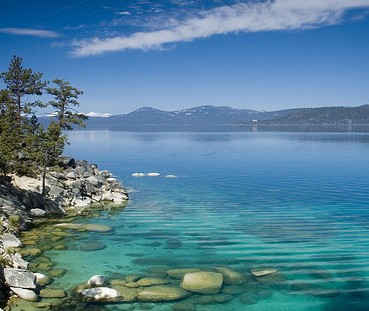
{"points": [[65, 99]]}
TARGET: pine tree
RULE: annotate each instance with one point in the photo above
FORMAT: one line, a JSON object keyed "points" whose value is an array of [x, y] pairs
{"points": [[9, 133], [21, 82], [65, 99]]}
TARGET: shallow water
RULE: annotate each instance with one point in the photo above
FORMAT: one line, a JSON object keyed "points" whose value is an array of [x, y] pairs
{"points": [[297, 202]]}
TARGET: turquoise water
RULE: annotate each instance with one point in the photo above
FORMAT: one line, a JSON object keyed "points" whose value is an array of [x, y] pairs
{"points": [[298, 202]]}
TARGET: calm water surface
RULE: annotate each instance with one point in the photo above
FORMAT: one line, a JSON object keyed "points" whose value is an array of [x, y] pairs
{"points": [[298, 202]]}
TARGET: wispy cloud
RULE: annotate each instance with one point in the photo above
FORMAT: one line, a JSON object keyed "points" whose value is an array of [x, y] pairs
{"points": [[30, 32], [268, 15]]}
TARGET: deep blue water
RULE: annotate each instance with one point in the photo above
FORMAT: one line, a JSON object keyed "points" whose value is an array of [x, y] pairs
{"points": [[298, 202]]}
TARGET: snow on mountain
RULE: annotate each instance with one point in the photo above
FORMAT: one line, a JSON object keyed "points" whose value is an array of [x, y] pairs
{"points": [[98, 115]]}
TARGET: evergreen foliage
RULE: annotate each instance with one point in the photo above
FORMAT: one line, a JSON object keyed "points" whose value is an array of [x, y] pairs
{"points": [[65, 99], [26, 146]]}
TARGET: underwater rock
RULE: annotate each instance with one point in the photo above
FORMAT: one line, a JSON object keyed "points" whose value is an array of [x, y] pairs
{"points": [[70, 226], [231, 277], [19, 278], [184, 306], [179, 273], [258, 272], [118, 282], [275, 279], [152, 281], [99, 294], [53, 293], [131, 285], [60, 247], [23, 293], [97, 228], [252, 297], [202, 282], [232, 290], [133, 277], [57, 273], [93, 246], [35, 252], [173, 243], [128, 294], [96, 280], [161, 293]]}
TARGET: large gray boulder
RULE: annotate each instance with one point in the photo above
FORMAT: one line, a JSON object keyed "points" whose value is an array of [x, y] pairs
{"points": [[19, 278], [23, 293], [10, 241], [19, 262], [202, 282], [99, 294], [96, 280], [37, 212]]}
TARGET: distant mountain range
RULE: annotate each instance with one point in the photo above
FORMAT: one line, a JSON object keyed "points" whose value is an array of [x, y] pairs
{"points": [[203, 115], [221, 116]]}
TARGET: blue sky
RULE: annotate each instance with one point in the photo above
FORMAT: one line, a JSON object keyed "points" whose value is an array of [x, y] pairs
{"points": [[174, 54]]}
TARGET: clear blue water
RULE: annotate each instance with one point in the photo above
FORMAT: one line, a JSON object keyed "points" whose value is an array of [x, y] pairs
{"points": [[298, 202]]}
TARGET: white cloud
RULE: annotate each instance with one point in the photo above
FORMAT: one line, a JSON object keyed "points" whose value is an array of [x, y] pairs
{"points": [[242, 17], [124, 13], [30, 32]]}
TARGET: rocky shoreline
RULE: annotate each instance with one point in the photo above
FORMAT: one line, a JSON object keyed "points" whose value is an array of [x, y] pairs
{"points": [[73, 186]]}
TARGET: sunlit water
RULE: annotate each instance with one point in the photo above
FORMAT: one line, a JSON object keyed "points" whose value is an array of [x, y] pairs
{"points": [[298, 202]]}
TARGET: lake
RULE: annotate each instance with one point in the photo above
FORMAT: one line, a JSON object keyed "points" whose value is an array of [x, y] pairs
{"points": [[296, 202]]}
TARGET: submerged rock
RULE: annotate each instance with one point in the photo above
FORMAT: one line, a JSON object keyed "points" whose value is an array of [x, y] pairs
{"points": [[162, 293], [152, 281], [179, 273], [97, 228], [128, 294], [93, 246], [184, 306], [231, 277], [53, 293], [133, 277], [258, 272], [252, 297], [57, 273], [202, 282]]}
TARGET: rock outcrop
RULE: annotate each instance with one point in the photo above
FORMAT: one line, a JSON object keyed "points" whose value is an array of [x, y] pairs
{"points": [[74, 185], [78, 184]]}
